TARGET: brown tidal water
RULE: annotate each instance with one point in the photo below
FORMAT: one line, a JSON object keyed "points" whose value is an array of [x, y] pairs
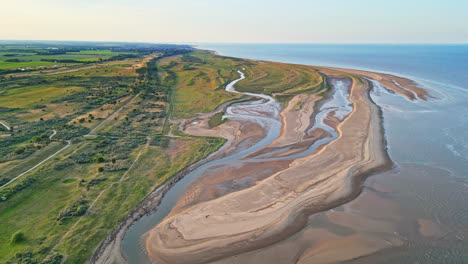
{"points": [[413, 214], [433, 210]]}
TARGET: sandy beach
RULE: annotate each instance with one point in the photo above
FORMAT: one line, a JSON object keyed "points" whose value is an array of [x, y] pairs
{"points": [[277, 206], [266, 204]]}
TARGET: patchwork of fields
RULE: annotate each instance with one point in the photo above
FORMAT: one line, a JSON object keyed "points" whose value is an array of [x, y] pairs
{"points": [[19, 58]]}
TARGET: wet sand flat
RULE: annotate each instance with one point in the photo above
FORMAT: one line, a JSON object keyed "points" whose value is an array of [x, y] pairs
{"points": [[269, 195], [277, 206], [403, 86]]}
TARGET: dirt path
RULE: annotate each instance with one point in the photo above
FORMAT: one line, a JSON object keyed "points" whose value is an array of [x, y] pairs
{"points": [[111, 116], [54, 132], [37, 165], [51, 72], [99, 196], [5, 125]]}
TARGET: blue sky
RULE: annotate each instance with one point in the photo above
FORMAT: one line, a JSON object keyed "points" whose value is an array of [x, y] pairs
{"points": [[252, 21]]}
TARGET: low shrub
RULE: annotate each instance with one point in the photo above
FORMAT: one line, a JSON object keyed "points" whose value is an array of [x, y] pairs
{"points": [[17, 237]]}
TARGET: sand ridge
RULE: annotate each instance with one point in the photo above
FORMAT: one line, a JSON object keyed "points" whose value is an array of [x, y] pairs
{"points": [[212, 225], [400, 85], [277, 206]]}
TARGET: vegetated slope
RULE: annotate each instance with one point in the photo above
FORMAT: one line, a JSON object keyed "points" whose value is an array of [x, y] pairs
{"points": [[117, 115], [113, 114], [275, 77], [199, 80], [199, 74]]}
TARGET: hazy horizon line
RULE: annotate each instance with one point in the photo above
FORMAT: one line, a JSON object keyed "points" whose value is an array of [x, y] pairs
{"points": [[241, 43]]}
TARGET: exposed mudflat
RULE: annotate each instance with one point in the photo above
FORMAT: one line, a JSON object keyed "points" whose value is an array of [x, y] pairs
{"points": [[280, 165], [287, 179]]}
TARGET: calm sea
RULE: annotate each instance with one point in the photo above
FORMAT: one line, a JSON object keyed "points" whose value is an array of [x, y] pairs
{"points": [[443, 63]]}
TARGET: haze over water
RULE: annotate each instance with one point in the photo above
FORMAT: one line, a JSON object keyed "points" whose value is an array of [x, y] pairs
{"points": [[428, 141]]}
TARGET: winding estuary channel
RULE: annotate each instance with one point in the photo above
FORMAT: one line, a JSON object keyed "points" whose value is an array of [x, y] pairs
{"points": [[264, 112], [415, 213]]}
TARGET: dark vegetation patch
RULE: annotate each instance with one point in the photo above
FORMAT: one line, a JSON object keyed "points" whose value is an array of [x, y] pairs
{"points": [[217, 119], [192, 59], [160, 141], [69, 180], [8, 191], [75, 208]]}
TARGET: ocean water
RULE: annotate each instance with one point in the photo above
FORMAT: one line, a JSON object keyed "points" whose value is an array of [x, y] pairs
{"points": [[428, 141], [443, 63]]}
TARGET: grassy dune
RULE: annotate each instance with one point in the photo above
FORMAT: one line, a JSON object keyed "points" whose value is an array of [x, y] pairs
{"points": [[35, 106], [29, 95], [200, 79], [154, 166], [129, 103], [217, 119], [274, 77], [74, 200]]}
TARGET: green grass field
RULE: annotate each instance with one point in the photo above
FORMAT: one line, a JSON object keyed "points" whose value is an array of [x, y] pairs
{"points": [[98, 52], [15, 65], [274, 77], [27, 96], [200, 81], [29, 59], [34, 57]]}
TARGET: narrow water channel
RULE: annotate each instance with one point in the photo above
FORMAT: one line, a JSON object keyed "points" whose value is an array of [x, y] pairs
{"points": [[264, 112]]}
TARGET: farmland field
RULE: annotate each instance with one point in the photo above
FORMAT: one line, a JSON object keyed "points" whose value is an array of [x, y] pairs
{"points": [[97, 52], [30, 58]]}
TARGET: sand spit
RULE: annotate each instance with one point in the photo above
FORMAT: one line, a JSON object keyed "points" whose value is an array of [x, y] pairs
{"points": [[207, 224], [400, 85], [296, 119], [235, 132], [278, 206]]}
